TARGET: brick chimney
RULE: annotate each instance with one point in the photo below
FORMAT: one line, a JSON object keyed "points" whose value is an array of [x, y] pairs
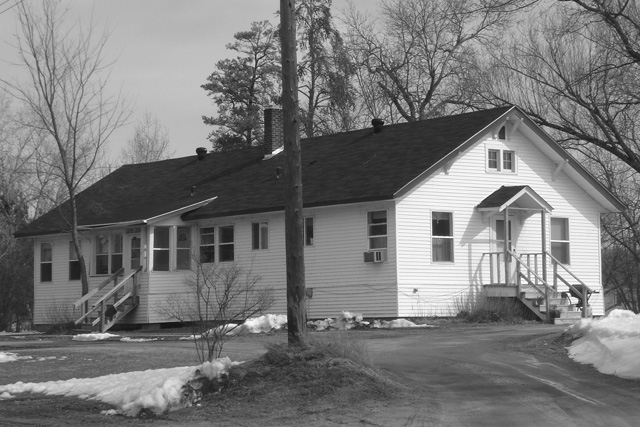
{"points": [[273, 135]]}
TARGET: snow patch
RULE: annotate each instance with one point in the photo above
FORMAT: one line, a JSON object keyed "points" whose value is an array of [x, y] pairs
{"points": [[156, 390], [127, 339], [254, 325], [12, 357], [93, 337]]}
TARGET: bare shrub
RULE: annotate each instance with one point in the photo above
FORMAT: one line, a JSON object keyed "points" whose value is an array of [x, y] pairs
{"points": [[60, 317], [220, 299], [484, 310]]}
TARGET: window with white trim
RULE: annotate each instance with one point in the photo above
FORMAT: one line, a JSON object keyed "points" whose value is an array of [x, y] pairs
{"points": [[108, 253], [226, 243], [183, 248], [441, 237], [500, 160], [208, 244], [161, 248], [259, 235], [377, 229], [136, 252], [560, 240], [74, 263], [308, 231], [46, 262]]}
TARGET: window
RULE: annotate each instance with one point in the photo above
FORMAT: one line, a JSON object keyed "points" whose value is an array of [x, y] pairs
{"points": [[377, 229], [560, 239], [46, 262], [507, 160], [499, 160], [183, 248], [135, 252], [308, 231], [161, 249], [116, 252], [493, 159], [208, 244], [441, 237], [226, 243], [260, 235], [74, 263], [108, 251]]}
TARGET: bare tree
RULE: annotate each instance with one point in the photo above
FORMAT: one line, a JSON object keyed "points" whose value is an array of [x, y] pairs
{"points": [[414, 61], [150, 142], [325, 71], [218, 301], [576, 73], [65, 98]]}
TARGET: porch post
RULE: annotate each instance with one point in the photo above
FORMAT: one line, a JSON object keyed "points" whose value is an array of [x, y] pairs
{"points": [[543, 215], [507, 259]]}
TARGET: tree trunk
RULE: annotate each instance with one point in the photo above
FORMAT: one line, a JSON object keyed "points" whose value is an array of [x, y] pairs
{"points": [[296, 314]]}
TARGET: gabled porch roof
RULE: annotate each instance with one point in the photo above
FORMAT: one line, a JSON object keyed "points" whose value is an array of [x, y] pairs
{"points": [[520, 196]]}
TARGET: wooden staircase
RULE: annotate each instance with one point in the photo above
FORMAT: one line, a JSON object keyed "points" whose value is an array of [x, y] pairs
{"points": [[112, 306], [547, 301]]}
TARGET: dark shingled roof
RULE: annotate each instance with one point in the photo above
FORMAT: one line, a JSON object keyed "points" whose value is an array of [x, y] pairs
{"points": [[500, 196], [341, 168]]}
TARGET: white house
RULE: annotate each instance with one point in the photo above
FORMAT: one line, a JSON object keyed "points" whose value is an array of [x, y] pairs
{"points": [[400, 220]]}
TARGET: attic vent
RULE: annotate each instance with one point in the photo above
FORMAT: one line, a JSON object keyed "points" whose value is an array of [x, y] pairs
{"points": [[377, 125], [201, 152]]}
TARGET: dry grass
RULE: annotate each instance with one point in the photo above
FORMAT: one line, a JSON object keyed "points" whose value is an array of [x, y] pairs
{"points": [[328, 374], [486, 310]]}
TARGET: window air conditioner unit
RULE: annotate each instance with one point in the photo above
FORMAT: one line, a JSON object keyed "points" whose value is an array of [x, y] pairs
{"points": [[375, 256]]}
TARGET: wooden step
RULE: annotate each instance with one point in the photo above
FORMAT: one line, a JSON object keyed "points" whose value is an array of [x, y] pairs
{"points": [[568, 318]]}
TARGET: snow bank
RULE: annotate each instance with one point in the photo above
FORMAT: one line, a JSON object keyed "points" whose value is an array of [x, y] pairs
{"points": [[93, 337], [254, 325], [127, 339], [348, 320], [398, 323], [157, 390], [611, 344]]}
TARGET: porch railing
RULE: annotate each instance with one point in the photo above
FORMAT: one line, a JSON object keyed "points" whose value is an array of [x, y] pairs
{"points": [[99, 308], [528, 267]]}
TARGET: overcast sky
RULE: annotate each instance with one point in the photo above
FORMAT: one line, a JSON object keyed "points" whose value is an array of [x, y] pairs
{"points": [[164, 51]]}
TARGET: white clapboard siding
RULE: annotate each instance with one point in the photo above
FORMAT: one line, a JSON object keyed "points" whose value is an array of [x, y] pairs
{"points": [[433, 288], [334, 265]]}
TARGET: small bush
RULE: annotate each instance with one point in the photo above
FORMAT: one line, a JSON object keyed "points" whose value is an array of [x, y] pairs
{"points": [[60, 318]]}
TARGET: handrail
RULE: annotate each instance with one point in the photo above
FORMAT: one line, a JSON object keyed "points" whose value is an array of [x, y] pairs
{"points": [[108, 295], [118, 287], [530, 270], [97, 289], [584, 293], [571, 273]]}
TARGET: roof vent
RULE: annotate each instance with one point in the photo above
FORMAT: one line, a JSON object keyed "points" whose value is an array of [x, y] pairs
{"points": [[377, 125], [201, 152]]}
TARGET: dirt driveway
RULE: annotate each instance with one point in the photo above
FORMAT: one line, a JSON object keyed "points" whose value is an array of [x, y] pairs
{"points": [[505, 376], [458, 376]]}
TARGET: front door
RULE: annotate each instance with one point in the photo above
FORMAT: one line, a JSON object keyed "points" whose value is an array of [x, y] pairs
{"points": [[498, 242]]}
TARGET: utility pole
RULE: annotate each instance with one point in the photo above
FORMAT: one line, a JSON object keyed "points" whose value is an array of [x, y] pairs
{"points": [[296, 313]]}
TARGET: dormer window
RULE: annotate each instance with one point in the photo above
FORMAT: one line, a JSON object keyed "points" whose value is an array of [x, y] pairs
{"points": [[501, 160]]}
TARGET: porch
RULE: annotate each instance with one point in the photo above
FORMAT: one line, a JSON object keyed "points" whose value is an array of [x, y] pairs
{"points": [[536, 277], [555, 295]]}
